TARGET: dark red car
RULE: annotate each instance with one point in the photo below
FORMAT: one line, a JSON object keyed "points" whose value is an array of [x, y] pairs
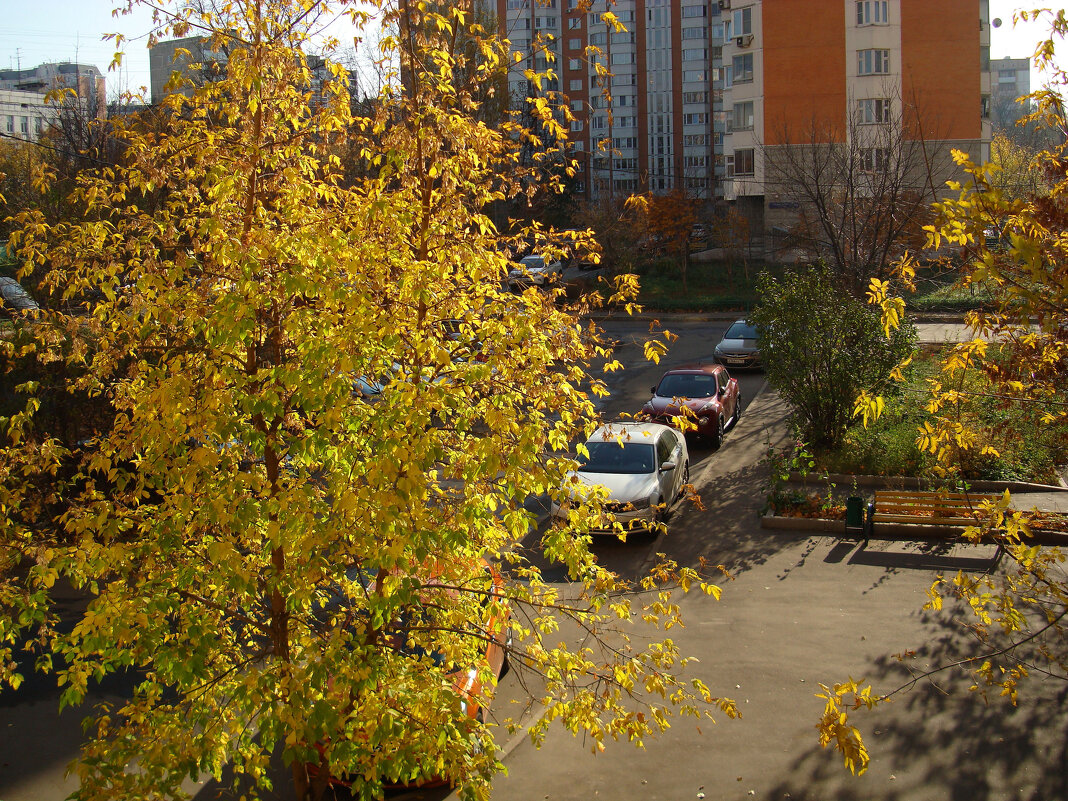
{"points": [[707, 391]]}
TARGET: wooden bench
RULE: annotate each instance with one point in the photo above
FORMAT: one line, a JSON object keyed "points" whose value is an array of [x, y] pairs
{"points": [[954, 510]]}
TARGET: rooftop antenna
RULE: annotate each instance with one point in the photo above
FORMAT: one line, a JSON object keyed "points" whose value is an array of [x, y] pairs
{"points": [[18, 59]]}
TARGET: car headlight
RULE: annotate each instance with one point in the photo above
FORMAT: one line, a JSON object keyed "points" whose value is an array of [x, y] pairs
{"points": [[718, 351], [703, 421]]}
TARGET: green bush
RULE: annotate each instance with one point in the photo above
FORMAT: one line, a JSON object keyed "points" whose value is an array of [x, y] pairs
{"points": [[821, 347]]}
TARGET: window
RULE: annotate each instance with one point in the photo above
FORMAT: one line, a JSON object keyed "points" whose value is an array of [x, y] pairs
{"points": [[599, 123], [626, 164], [625, 142], [700, 118], [623, 37], [623, 58], [625, 16], [24, 126], [625, 80], [521, 24], [873, 159], [574, 44], [742, 23], [575, 23], [574, 64], [626, 122], [695, 140], [693, 76], [872, 12], [624, 100], [873, 62], [576, 125], [598, 39], [575, 85], [695, 54], [743, 116], [744, 162], [665, 447], [689, 12], [11, 123], [545, 22], [742, 68], [515, 5], [577, 105], [695, 33], [873, 110], [695, 97], [696, 161]]}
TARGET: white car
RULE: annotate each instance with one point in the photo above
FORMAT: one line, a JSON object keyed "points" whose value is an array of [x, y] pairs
{"points": [[534, 270], [644, 466]]}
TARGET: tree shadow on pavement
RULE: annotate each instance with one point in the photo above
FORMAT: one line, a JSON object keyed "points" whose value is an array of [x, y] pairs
{"points": [[939, 740]]}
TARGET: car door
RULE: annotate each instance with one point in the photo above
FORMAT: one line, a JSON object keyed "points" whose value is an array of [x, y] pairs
{"points": [[668, 450], [728, 394]]}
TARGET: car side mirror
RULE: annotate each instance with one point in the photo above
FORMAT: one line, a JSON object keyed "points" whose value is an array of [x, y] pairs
{"points": [[667, 466], [653, 390]]}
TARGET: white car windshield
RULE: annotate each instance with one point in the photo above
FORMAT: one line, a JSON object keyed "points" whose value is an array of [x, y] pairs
{"points": [[611, 457], [533, 262]]}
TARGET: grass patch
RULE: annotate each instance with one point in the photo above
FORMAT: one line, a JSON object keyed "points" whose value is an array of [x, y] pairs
{"points": [[709, 287], [1028, 449], [937, 291]]}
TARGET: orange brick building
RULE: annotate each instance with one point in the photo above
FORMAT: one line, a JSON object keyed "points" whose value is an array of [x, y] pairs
{"points": [[702, 91]]}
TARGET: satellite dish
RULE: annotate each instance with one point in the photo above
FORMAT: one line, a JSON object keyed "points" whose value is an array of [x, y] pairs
{"points": [[997, 22]]}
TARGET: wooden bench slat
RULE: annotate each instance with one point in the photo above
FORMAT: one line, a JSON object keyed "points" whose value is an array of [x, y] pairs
{"points": [[934, 496], [926, 507], [934, 521]]}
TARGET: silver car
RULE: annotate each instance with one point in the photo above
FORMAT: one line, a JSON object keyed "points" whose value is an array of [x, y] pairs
{"points": [[534, 270], [738, 348], [644, 467]]}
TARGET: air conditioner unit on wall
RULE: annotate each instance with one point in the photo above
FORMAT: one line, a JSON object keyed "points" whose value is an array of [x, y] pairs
{"points": [[724, 5], [744, 41]]}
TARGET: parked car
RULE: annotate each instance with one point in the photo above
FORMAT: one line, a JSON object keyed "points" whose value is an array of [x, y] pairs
{"points": [[534, 270], [14, 300], [738, 348], [705, 393], [644, 467]]}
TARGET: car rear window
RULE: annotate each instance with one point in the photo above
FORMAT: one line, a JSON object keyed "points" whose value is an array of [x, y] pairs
{"points": [[687, 386], [612, 457]]}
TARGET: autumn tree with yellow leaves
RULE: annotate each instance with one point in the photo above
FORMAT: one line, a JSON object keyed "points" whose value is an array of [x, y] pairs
{"points": [[291, 567], [1018, 356]]}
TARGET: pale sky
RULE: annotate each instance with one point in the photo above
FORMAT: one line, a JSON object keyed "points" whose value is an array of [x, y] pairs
{"points": [[36, 31]]}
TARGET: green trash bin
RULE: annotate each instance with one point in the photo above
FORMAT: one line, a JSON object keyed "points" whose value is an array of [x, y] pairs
{"points": [[854, 515]]}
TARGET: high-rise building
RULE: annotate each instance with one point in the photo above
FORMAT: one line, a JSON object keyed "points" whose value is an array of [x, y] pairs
{"points": [[702, 90], [1010, 80], [645, 99]]}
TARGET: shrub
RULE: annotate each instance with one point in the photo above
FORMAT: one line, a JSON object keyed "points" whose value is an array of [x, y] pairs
{"points": [[821, 347]]}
